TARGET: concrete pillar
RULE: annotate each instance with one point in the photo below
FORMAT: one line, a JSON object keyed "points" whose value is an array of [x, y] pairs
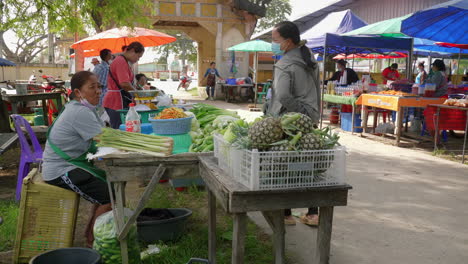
{"points": [[219, 44]]}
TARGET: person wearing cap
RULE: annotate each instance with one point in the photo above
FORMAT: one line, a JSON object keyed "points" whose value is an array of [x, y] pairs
{"points": [[351, 76], [437, 76], [390, 73]]}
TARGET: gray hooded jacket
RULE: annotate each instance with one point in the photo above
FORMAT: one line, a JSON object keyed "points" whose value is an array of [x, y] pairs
{"points": [[296, 88]]}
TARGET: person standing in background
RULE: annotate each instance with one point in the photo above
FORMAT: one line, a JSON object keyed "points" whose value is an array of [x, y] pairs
{"points": [[120, 81], [102, 71], [390, 73], [210, 76], [350, 77], [422, 75], [438, 77]]}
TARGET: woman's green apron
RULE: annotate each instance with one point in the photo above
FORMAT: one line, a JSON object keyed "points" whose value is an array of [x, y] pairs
{"points": [[81, 161]]}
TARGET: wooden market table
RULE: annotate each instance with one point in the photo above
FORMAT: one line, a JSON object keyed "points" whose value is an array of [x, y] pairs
{"points": [[347, 100], [123, 168], [394, 103], [15, 99], [230, 90], [237, 199], [437, 121]]}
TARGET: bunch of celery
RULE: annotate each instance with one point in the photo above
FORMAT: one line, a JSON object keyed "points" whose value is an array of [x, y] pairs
{"points": [[206, 114], [136, 142]]}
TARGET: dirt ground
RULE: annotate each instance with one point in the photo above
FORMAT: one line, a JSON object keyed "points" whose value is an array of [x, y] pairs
{"points": [[406, 206]]}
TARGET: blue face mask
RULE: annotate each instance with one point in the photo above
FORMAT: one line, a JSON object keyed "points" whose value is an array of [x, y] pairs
{"points": [[276, 48]]}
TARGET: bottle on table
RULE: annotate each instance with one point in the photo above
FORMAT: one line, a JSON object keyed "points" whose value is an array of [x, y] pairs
{"points": [[132, 120]]}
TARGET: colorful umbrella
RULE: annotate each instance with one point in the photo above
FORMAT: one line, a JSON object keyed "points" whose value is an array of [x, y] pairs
{"points": [[253, 46], [115, 38], [392, 55], [386, 28], [447, 22], [451, 45]]}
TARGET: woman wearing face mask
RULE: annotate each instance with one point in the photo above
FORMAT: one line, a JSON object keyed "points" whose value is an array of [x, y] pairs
{"points": [[296, 87], [422, 75], [69, 139], [351, 75], [120, 81]]}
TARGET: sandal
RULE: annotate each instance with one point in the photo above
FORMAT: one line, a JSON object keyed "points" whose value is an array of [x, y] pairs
{"points": [[311, 220]]}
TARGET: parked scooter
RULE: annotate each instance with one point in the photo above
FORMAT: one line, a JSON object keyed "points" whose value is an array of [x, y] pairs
{"points": [[185, 82]]}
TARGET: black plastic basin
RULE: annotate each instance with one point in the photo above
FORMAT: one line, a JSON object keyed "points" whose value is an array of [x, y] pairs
{"points": [[170, 229], [68, 256]]}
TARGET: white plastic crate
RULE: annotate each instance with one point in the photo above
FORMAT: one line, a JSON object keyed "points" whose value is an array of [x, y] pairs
{"points": [[282, 170]]}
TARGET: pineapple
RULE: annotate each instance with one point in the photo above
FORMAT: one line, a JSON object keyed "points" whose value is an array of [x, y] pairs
{"points": [[265, 132], [297, 122], [310, 141]]}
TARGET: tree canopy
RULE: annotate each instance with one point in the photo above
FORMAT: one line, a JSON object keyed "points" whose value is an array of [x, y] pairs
{"points": [[277, 11], [32, 20]]}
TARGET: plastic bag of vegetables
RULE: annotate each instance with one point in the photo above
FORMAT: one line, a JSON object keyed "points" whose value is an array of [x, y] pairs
{"points": [[107, 244]]}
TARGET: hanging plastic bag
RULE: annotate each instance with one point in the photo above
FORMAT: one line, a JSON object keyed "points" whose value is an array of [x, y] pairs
{"points": [[164, 100], [107, 243]]}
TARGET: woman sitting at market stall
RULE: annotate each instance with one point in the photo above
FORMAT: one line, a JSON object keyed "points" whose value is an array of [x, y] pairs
{"points": [[438, 77], [296, 87], [348, 74], [69, 139], [422, 75]]}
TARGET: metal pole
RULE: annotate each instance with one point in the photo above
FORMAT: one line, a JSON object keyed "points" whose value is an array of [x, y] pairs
{"points": [[409, 73], [458, 68], [464, 139], [323, 80], [255, 78]]}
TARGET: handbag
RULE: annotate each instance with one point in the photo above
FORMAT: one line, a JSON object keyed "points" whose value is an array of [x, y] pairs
{"points": [[127, 98]]}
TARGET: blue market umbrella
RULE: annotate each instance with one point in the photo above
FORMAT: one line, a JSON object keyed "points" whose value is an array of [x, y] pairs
{"points": [[447, 22]]}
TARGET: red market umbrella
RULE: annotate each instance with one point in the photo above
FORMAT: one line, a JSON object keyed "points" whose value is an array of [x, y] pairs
{"points": [[452, 45], [392, 55], [115, 38]]}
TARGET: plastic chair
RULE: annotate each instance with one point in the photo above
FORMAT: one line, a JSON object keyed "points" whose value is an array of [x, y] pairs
{"points": [[263, 93], [29, 154]]}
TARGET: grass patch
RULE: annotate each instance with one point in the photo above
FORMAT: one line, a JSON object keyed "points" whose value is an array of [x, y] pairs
{"points": [[193, 92], [9, 212], [195, 242]]}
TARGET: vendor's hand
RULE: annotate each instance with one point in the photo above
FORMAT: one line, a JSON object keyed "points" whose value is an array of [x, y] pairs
{"points": [[96, 138]]}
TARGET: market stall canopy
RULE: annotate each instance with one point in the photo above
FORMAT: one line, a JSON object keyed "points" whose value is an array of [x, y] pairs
{"points": [[447, 22], [4, 62], [386, 28], [392, 28], [336, 23], [337, 44], [391, 55], [115, 38], [252, 46]]}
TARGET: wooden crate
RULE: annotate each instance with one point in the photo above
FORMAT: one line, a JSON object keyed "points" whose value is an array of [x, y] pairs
{"points": [[46, 220]]}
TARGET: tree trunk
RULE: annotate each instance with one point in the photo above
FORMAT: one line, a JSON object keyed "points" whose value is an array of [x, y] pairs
{"points": [[4, 119]]}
